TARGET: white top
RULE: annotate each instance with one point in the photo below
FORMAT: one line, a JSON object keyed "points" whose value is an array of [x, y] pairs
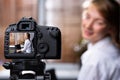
{"points": [[100, 62], [27, 46]]}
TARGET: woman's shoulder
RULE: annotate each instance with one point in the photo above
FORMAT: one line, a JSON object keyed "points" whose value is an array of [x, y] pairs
{"points": [[104, 59], [109, 51], [107, 54], [27, 40], [103, 51]]}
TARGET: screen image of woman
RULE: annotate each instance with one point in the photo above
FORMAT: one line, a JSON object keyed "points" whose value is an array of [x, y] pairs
{"points": [[27, 48]]}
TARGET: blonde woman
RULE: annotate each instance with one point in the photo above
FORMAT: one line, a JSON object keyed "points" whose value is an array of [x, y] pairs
{"points": [[100, 26]]}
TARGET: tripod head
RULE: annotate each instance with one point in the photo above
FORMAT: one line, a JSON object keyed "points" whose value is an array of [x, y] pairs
{"points": [[37, 66]]}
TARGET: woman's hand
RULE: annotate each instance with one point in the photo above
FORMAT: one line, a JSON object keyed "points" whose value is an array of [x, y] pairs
{"points": [[18, 50]]}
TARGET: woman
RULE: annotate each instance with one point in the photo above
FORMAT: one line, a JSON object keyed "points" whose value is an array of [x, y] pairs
{"points": [[27, 45], [100, 26]]}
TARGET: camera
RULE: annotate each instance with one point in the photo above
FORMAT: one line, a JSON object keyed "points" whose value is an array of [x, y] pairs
{"points": [[26, 43], [43, 42]]}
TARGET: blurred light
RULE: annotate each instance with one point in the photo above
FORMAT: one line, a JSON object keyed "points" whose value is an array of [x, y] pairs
{"points": [[86, 4]]}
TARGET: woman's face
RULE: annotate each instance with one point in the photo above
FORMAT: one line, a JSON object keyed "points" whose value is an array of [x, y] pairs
{"points": [[94, 27]]}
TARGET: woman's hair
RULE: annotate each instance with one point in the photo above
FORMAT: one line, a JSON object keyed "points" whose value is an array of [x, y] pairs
{"points": [[110, 11], [28, 35]]}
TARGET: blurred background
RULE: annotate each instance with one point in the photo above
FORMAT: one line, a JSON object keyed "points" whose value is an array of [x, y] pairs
{"points": [[64, 14]]}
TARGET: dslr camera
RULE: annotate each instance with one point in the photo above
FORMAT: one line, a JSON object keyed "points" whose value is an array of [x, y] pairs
{"points": [[43, 42], [26, 43]]}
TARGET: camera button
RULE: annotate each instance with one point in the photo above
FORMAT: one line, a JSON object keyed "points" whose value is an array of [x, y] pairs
{"points": [[6, 33], [6, 43], [42, 47], [40, 35], [7, 38]]}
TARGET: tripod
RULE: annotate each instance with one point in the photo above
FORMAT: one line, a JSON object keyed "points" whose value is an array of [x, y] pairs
{"points": [[17, 66]]}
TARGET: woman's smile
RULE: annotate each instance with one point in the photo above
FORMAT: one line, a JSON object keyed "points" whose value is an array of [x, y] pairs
{"points": [[88, 32]]}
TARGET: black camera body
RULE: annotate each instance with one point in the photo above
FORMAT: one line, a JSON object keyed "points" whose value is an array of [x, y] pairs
{"points": [[26, 43], [45, 40]]}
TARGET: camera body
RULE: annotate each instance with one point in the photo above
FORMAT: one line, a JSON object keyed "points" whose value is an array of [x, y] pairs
{"points": [[44, 41]]}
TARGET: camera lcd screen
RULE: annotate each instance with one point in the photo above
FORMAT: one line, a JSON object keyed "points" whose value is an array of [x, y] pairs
{"points": [[21, 42]]}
